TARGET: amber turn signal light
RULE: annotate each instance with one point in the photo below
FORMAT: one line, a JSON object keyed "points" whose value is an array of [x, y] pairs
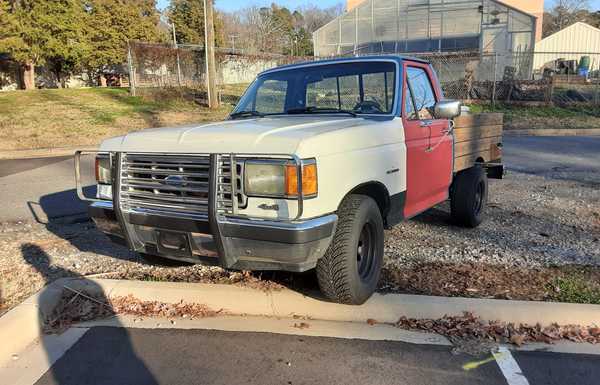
{"points": [[309, 180]]}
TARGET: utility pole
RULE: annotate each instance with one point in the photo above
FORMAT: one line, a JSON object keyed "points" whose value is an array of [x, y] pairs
{"points": [[131, 70], [209, 49], [232, 37], [177, 52]]}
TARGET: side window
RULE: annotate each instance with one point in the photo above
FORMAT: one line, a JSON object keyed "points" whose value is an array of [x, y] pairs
{"points": [[422, 92], [270, 97]]}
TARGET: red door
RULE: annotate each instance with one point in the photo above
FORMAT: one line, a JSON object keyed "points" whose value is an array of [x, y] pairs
{"points": [[429, 145]]}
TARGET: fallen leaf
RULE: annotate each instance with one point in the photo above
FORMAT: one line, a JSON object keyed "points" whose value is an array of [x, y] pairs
{"points": [[517, 339], [301, 325], [372, 321]]}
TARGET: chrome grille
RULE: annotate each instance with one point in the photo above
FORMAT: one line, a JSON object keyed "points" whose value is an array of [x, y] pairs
{"points": [[173, 185], [224, 186]]}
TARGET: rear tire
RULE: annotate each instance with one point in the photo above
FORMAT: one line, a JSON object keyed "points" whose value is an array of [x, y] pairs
{"points": [[469, 197], [350, 269]]}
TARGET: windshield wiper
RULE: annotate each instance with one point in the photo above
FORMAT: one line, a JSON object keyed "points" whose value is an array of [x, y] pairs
{"points": [[243, 114], [320, 110]]}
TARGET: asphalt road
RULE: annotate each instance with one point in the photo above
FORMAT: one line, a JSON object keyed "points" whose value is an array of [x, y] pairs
{"points": [[106, 355], [553, 155], [44, 188]]}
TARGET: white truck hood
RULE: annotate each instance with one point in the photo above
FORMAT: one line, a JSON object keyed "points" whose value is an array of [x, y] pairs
{"points": [[269, 135]]}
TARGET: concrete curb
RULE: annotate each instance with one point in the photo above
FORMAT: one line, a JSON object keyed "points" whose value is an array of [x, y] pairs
{"points": [[20, 326], [554, 132], [43, 152]]}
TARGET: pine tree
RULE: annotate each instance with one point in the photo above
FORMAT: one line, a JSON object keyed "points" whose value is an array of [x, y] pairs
{"points": [[112, 24], [188, 18], [37, 32]]}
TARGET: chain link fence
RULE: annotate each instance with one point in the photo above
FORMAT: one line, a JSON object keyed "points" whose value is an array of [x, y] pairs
{"points": [[564, 79], [520, 78], [164, 66]]}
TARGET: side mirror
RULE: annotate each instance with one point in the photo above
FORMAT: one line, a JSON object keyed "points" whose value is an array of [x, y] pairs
{"points": [[447, 109]]}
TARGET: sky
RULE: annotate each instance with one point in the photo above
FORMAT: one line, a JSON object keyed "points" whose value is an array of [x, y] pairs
{"points": [[232, 5]]}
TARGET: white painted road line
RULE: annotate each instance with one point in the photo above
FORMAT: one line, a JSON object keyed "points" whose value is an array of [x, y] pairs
{"points": [[509, 367]]}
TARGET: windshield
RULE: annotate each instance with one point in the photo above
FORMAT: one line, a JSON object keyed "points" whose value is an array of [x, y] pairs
{"points": [[351, 88]]}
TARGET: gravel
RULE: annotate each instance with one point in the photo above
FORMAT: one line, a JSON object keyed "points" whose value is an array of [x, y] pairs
{"points": [[532, 222]]}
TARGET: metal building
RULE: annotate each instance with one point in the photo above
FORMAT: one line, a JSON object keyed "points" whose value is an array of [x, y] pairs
{"points": [[424, 26], [571, 43]]}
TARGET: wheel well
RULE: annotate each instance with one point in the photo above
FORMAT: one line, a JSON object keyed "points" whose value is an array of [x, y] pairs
{"points": [[378, 192], [480, 160]]}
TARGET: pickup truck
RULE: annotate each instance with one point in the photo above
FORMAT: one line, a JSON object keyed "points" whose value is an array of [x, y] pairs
{"points": [[314, 162]]}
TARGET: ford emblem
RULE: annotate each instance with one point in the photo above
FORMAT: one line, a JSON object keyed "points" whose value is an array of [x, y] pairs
{"points": [[175, 181]]}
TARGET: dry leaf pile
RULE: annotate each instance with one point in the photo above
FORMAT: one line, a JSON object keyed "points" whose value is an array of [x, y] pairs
{"points": [[469, 326], [76, 307], [132, 306]]}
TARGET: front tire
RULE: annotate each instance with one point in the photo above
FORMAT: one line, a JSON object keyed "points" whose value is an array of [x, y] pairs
{"points": [[350, 269], [469, 197]]}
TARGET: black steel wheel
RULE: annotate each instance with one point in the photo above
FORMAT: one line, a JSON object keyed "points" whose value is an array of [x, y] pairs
{"points": [[469, 197], [365, 252], [350, 269]]}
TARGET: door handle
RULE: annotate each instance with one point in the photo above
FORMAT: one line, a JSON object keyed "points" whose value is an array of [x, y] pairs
{"points": [[425, 123]]}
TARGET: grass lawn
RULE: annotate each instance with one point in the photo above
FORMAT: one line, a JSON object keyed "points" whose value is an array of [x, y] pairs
{"points": [[72, 117], [525, 117]]}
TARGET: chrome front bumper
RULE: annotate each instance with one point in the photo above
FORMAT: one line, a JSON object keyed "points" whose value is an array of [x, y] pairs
{"points": [[230, 242]]}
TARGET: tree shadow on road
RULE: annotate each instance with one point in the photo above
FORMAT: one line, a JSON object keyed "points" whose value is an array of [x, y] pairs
{"points": [[98, 361]]}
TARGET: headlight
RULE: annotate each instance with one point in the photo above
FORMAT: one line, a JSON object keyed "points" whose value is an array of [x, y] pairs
{"points": [[103, 176], [279, 179]]}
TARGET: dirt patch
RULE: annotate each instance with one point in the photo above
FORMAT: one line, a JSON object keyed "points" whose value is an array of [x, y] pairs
{"points": [[495, 281]]}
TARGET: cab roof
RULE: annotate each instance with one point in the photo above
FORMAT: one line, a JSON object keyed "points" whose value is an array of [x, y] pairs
{"points": [[396, 58]]}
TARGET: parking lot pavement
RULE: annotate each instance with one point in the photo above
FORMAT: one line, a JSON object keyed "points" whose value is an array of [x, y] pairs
{"points": [[41, 189], [556, 368], [570, 157], [108, 355]]}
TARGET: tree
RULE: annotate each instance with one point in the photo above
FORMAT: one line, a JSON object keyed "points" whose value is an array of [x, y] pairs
{"points": [[188, 18], [563, 14], [38, 31], [68, 46], [112, 24], [277, 29], [315, 17]]}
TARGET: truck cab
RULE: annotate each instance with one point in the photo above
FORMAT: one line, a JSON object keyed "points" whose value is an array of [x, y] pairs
{"points": [[312, 164]]}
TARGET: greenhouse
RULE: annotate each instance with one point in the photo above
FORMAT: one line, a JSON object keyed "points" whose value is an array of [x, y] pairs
{"points": [[425, 26]]}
